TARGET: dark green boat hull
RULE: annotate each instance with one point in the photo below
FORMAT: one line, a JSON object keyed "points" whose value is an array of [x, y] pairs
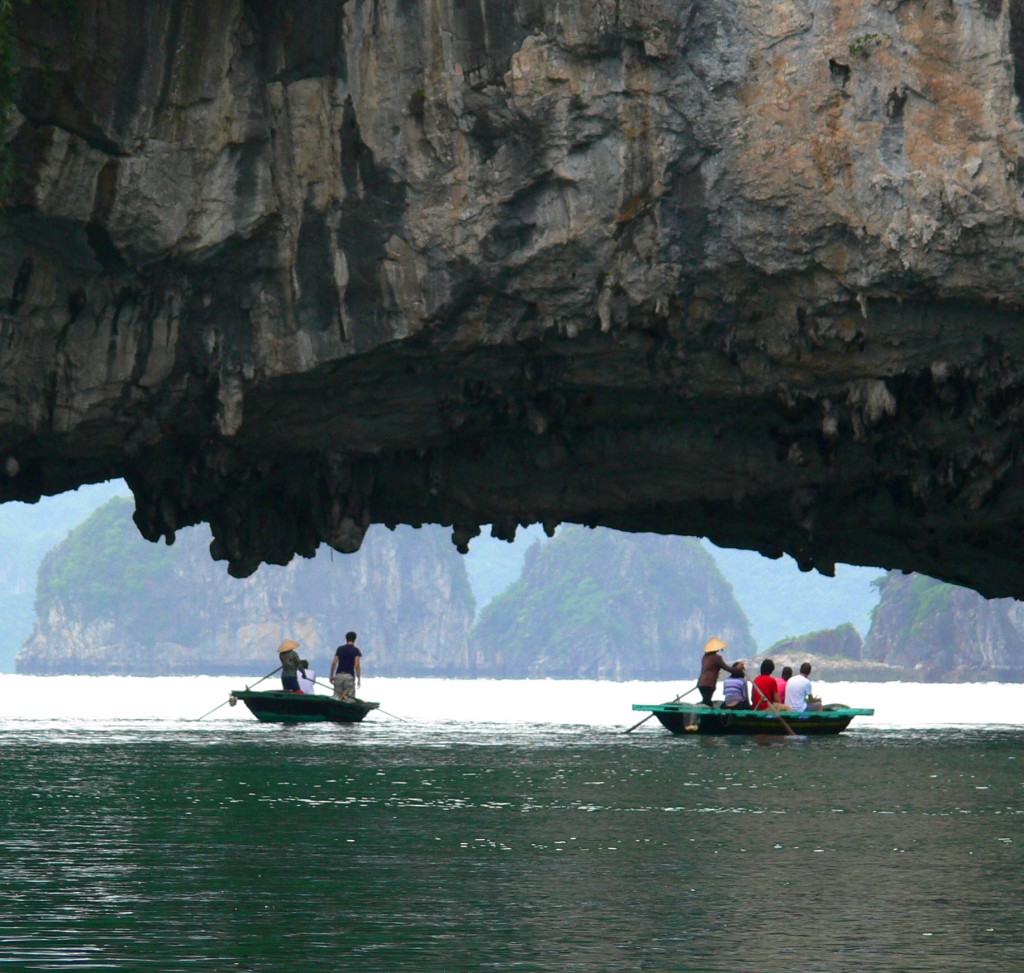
{"points": [[278, 706], [710, 721]]}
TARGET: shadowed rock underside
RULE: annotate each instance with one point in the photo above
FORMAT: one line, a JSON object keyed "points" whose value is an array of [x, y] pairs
{"points": [[748, 270]]}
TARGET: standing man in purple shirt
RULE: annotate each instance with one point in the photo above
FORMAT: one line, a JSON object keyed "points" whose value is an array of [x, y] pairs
{"points": [[345, 668]]}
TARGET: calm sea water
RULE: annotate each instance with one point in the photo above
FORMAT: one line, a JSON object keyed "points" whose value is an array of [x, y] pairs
{"points": [[494, 829]]}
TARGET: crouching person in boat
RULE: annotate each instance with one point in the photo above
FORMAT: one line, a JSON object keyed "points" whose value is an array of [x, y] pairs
{"points": [[711, 665], [290, 665], [307, 678], [735, 688], [346, 670]]}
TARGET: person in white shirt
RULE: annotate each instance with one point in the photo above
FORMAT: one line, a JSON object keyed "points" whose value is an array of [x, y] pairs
{"points": [[307, 679], [798, 689]]}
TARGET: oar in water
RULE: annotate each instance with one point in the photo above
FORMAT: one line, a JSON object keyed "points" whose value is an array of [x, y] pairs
{"points": [[649, 715], [771, 705], [392, 715], [228, 700], [324, 685]]}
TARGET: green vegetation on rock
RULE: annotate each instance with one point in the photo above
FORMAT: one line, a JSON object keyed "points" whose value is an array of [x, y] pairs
{"points": [[102, 565], [602, 604], [930, 598], [587, 604], [843, 642], [110, 602], [27, 532], [494, 565], [943, 632], [784, 602]]}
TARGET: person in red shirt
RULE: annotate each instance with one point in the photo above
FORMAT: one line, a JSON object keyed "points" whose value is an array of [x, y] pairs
{"points": [[765, 689]]}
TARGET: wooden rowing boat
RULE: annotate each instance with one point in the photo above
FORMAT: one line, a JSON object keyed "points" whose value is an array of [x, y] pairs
{"points": [[689, 718], [279, 706]]}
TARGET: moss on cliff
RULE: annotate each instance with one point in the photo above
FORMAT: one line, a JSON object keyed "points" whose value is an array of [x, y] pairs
{"points": [[602, 604], [101, 567], [108, 601]]}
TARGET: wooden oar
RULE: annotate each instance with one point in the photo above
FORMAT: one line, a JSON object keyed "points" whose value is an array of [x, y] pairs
{"points": [[267, 676], [649, 715], [214, 710], [771, 705], [228, 700], [379, 710], [392, 715]]}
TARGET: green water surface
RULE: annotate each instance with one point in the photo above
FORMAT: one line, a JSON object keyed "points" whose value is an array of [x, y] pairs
{"points": [[385, 847]]}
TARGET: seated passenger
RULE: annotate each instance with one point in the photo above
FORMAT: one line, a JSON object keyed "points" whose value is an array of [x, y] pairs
{"points": [[307, 678], [735, 688], [780, 681], [766, 689], [798, 691]]}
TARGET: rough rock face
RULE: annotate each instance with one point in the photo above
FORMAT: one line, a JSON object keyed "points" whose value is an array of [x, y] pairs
{"points": [[602, 605], [946, 633], [747, 269], [843, 642], [174, 611]]}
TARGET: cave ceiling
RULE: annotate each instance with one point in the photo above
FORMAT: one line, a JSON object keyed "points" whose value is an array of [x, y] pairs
{"points": [[742, 270]]}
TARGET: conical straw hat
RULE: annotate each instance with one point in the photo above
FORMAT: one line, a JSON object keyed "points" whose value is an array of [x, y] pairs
{"points": [[286, 646], [714, 644]]}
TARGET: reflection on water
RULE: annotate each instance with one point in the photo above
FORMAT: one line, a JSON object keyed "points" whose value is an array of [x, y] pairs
{"points": [[454, 846]]}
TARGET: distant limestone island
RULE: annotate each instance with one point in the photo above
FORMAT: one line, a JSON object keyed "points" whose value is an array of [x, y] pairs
{"points": [[923, 630], [109, 602], [598, 604], [588, 604], [837, 655]]}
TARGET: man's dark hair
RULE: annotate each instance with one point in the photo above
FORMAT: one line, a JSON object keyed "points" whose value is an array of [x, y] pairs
{"points": [[805, 668], [767, 667], [351, 637], [787, 672]]}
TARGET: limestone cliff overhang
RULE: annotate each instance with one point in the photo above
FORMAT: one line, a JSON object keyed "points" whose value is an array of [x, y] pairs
{"points": [[749, 270]]}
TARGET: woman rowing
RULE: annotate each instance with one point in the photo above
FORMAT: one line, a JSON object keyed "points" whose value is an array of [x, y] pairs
{"points": [[711, 665]]}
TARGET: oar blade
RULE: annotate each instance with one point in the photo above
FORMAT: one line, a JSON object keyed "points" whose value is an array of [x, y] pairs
{"points": [[649, 715]]}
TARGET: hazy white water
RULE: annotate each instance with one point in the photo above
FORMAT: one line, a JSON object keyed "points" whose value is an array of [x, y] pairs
{"points": [[569, 702]]}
